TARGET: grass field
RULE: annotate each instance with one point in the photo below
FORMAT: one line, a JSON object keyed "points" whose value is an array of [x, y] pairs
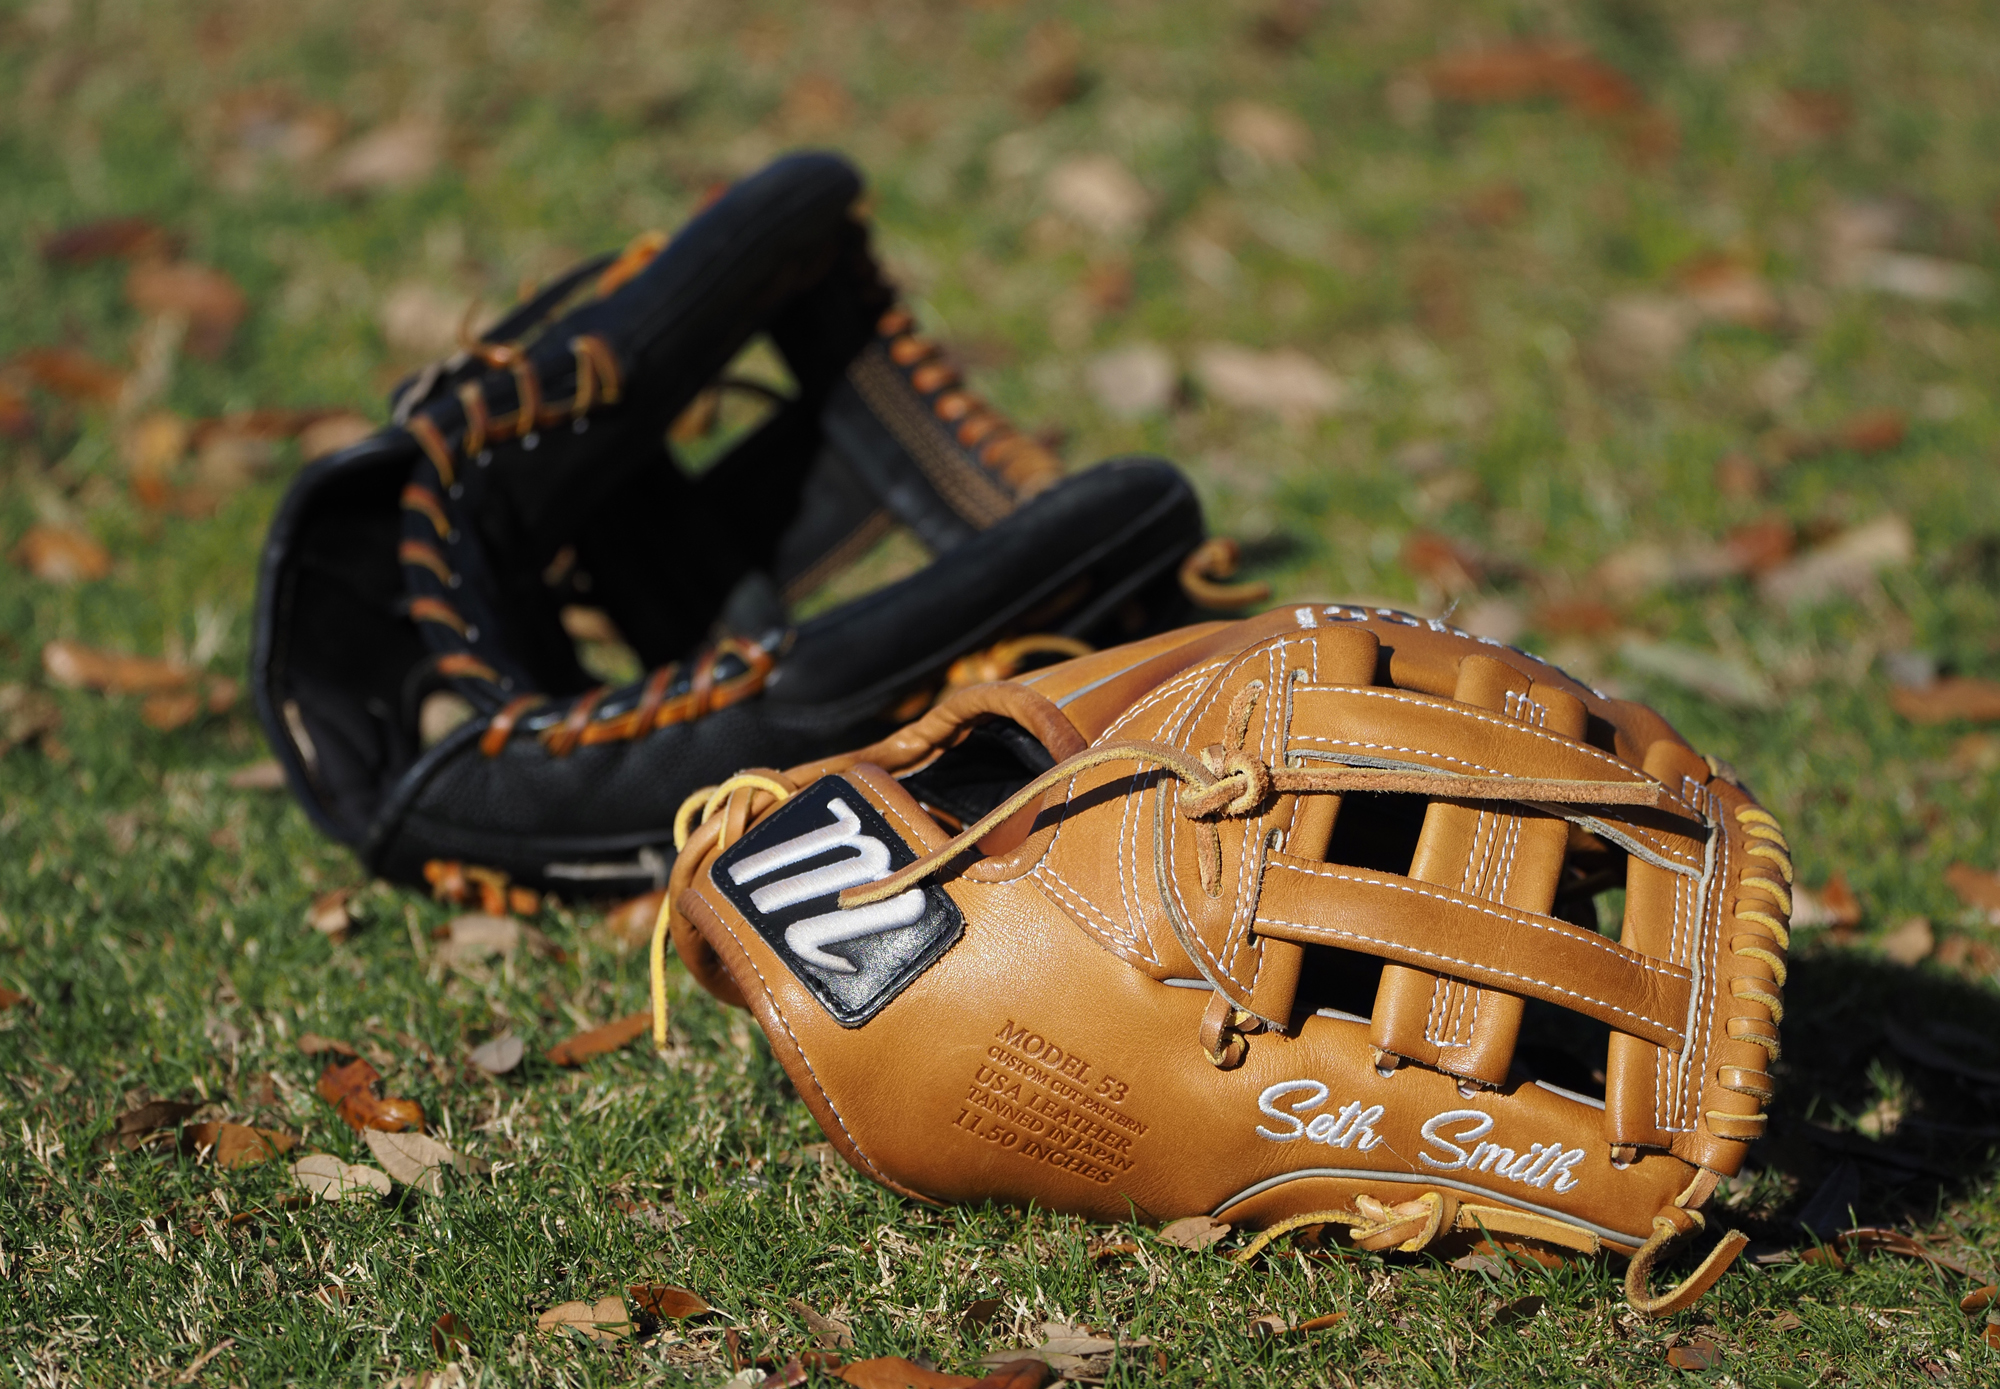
{"points": [[1657, 338]]}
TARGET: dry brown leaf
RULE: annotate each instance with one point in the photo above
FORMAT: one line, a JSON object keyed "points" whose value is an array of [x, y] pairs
{"points": [[235, 1145], [1952, 698], [1133, 382], [419, 320], [1991, 1335], [1910, 943], [574, 1051], [498, 1055], [1116, 1250], [477, 937], [630, 923], [1265, 134], [229, 459], [350, 1088], [107, 238], [449, 1336], [816, 104], [27, 714], [9, 998], [1873, 431], [1521, 1309], [152, 446], [894, 1372], [1194, 1232], [312, 1044], [17, 413], [1285, 382], [1642, 333], [1451, 566], [1321, 1323], [265, 775], [666, 1301], [170, 709], [418, 1161], [207, 298], [1100, 195], [329, 914], [1054, 64], [74, 666], [1979, 1299], [1728, 291], [1697, 1354], [979, 1313], [604, 1321], [1833, 905], [58, 555], [71, 373], [1848, 563], [332, 433], [1974, 886], [399, 155], [327, 1177], [831, 1333], [135, 1126]]}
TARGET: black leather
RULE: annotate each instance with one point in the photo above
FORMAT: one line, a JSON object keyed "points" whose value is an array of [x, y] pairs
{"points": [[341, 669]]}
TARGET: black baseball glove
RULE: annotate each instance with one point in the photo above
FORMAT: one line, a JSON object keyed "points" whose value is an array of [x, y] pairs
{"points": [[527, 490]]}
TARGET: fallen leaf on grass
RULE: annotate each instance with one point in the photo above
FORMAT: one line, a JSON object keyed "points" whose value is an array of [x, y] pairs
{"points": [[25, 715], [831, 1333], [399, 155], [667, 1302], [978, 1314], [1099, 194], [418, 1161], [350, 1088], [170, 709], [630, 923], [312, 1044], [17, 413], [1194, 1232], [1710, 673], [1910, 943], [332, 433], [235, 1145], [9, 998], [1873, 431], [1054, 54], [1285, 382], [1325, 1322], [207, 298], [329, 914], [605, 1321], [1524, 71], [1975, 887], [1926, 279], [1266, 134], [894, 1372], [74, 666], [1521, 1309], [56, 555], [330, 1179], [1952, 698], [1453, 567], [1846, 564], [816, 104], [1728, 291], [1641, 334], [1833, 905], [71, 373], [477, 937], [498, 1055], [1697, 1354], [1979, 1299], [265, 775], [574, 1051], [1132, 382], [1116, 1250], [107, 238], [135, 1126], [449, 1335]]}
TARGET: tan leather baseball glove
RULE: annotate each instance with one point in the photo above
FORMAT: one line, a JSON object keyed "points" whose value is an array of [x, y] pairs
{"points": [[1308, 919]]}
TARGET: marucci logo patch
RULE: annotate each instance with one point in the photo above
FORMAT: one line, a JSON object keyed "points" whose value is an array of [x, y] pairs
{"points": [[785, 876]]}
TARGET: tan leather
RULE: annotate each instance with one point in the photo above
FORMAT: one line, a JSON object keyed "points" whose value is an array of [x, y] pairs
{"points": [[1054, 1053]]}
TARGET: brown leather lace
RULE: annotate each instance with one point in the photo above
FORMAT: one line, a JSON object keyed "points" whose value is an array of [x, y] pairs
{"points": [[1222, 784], [1022, 463], [1203, 576]]}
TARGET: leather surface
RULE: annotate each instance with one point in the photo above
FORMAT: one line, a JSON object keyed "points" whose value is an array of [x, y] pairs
{"points": [[1052, 1055]]}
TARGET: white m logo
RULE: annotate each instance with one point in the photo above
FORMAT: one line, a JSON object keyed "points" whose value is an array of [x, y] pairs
{"points": [[869, 864]]}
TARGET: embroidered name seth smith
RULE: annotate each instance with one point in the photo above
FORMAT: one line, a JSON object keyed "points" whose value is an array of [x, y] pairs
{"points": [[1544, 1164]]}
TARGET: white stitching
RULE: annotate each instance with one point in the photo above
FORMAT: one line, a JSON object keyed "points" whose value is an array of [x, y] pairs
{"points": [[1560, 930], [1473, 964]]}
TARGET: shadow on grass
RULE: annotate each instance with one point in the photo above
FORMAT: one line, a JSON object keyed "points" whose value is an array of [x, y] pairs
{"points": [[1888, 1109]]}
